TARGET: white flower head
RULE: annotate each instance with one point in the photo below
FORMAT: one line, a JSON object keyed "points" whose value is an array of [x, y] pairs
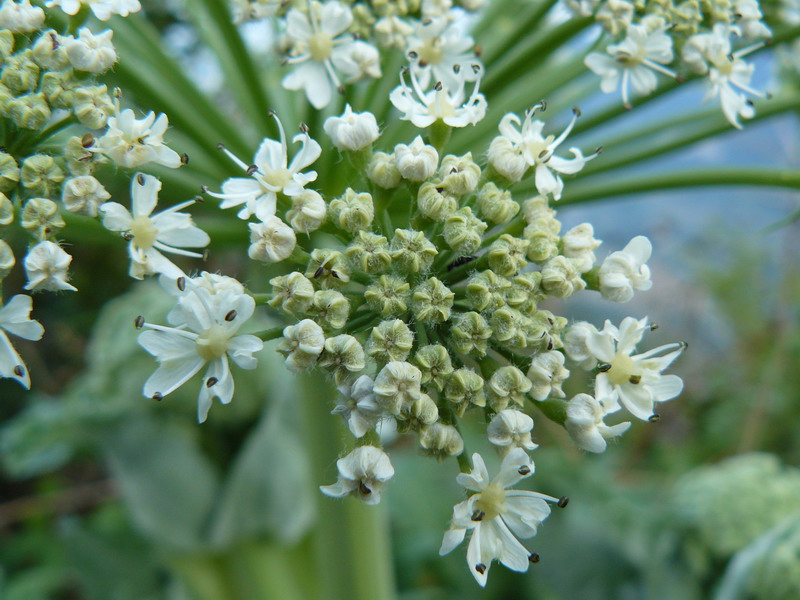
{"points": [[585, 424], [626, 270], [207, 337], [352, 131], [15, 318], [362, 473], [270, 174], [90, 52], [636, 380], [495, 515], [547, 373], [46, 265], [417, 161], [21, 17], [442, 50], [102, 9], [511, 429], [358, 406], [151, 234], [271, 241], [131, 143]]}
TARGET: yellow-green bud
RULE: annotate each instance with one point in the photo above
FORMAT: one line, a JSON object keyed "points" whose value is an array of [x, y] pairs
{"points": [[507, 255], [6, 210], [41, 175], [435, 203], [79, 157], [369, 252], [434, 363], [543, 237], [441, 441], [308, 211], [382, 171], [9, 172], [464, 389], [460, 174], [561, 278], [525, 292], [83, 195], [92, 106], [387, 8], [470, 334], [6, 45], [7, 259], [537, 208], [20, 73], [496, 205], [48, 51], [463, 231], [509, 327], [432, 301], [487, 290], [58, 88], [328, 268], [30, 111], [6, 96], [390, 341], [343, 355], [330, 308], [412, 251], [292, 292], [388, 296], [417, 414], [507, 385], [40, 217], [543, 330], [352, 211]]}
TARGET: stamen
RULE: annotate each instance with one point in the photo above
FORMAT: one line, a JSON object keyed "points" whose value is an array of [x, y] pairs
{"points": [[533, 558], [230, 316], [87, 141], [478, 515], [140, 179], [563, 501], [184, 159], [524, 470], [364, 489], [480, 568], [211, 382], [181, 283], [157, 396], [654, 418], [19, 371], [635, 379], [138, 322]]}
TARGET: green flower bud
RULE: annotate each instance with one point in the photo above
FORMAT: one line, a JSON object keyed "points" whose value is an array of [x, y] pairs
{"points": [[352, 211], [343, 355], [396, 385], [460, 174], [401, 8], [369, 253], [41, 175], [470, 334], [30, 111], [59, 89], [330, 308], [6, 45], [543, 237], [412, 251], [561, 278], [308, 211], [7, 259], [507, 255], [487, 291], [431, 301], [40, 217], [507, 385], [537, 208], [301, 345], [417, 414], [496, 205], [382, 171], [464, 389], [435, 203], [525, 292], [390, 341], [441, 441], [292, 292], [463, 231], [6, 210], [92, 105], [20, 73], [48, 51], [388, 296], [434, 363], [9, 172], [83, 195], [79, 157], [509, 327], [328, 268], [6, 96], [543, 330]]}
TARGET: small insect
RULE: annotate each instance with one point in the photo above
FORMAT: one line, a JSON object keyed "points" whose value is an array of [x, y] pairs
{"points": [[461, 260]]}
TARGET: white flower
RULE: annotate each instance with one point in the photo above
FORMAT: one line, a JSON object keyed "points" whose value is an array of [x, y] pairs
{"points": [[633, 379], [510, 429], [7, 260], [83, 195], [15, 317], [208, 337], [92, 53], [271, 241], [307, 212], [21, 18], [271, 174], [633, 60], [352, 131], [302, 344], [167, 231], [748, 18], [102, 9], [521, 145], [442, 103], [585, 424], [579, 246], [358, 406], [626, 270], [495, 515], [46, 265], [397, 385], [417, 161], [615, 15], [442, 51], [547, 373], [362, 473], [131, 143], [575, 344], [359, 60]]}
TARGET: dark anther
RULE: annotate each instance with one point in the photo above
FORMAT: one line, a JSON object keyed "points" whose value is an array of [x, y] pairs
{"points": [[404, 70], [184, 159], [478, 49], [653, 326], [533, 558], [456, 68], [654, 418], [211, 381], [563, 501], [603, 367], [684, 345], [635, 379], [205, 254], [598, 150], [453, 170], [543, 153], [439, 190], [157, 396], [543, 104], [271, 113], [478, 515], [476, 69], [413, 55], [550, 344], [203, 189], [138, 322], [364, 489], [438, 86], [140, 179], [318, 273], [87, 141], [304, 128], [427, 21], [19, 371], [340, 89], [199, 199], [127, 236], [251, 169], [524, 470], [576, 111], [220, 146], [181, 283], [480, 568], [230, 316], [334, 274]]}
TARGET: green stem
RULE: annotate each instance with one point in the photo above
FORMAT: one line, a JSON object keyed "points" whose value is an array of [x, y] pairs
{"points": [[270, 334], [499, 45], [554, 409]]}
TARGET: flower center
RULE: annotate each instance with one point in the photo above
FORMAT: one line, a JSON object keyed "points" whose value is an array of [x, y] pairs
{"points": [[430, 53], [212, 343], [537, 150], [278, 177], [491, 501], [622, 368], [144, 232], [724, 66], [320, 46]]}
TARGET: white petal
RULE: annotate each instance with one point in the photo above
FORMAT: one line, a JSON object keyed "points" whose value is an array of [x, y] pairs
{"points": [[9, 360], [116, 217], [172, 374]]}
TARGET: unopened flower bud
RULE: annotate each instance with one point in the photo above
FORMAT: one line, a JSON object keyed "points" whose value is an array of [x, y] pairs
{"points": [[396, 385], [412, 251], [58, 88], [525, 292], [547, 373], [388, 296], [496, 205], [391, 32], [507, 255], [487, 290], [509, 327], [441, 441], [382, 171], [46, 265], [560, 278], [390, 341], [417, 161], [292, 292], [80, 158], [575, 344], [578, 244], [307, 212], [302, 344], [20, 73], [41, 175], [21, 17], [271, 241], [507, 160], [330, 308], [537, 208], [417, 414], [6, 210], [507, 385], [470, 334], [463, 231], [9, 172], [352, 211], [362, 474], [435, 203], [30, 111], [543, 237], [626, 270], [434, 363], [511, 429], [93, 106], [432, 301], [48, 51], [464, 388], [6, 96], [459, 174], [369, 253], [40, 217], [6, 45], [7, 260], [343, 355], [83, 195], [328, 268], [352, 131], [90, 52]]}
